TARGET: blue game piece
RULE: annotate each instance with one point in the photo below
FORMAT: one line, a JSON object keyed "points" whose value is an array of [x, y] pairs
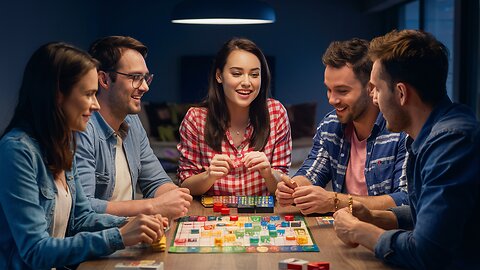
{"points": [[271, 227]]}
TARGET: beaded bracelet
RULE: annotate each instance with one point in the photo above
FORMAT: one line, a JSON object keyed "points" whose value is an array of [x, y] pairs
{"points": [[350, 203], [335, 201]]}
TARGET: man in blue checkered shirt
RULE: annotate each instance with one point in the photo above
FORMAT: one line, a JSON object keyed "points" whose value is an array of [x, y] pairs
{"points": [[352, 147]]}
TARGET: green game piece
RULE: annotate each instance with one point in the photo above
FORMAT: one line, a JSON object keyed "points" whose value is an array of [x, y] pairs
{"points": [[249, 231], [265, 238], [254, 240], [257, 228], [239, 234], [256, 218], [273, 234]]}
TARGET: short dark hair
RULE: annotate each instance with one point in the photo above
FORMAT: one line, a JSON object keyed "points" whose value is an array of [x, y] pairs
{"points": [[108, 51], [353, 52], [218, 117], [54, 68], [416, 58]]}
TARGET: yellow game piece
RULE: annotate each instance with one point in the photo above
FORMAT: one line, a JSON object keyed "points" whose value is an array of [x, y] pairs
{"points": [[206, 233], [302, 239], [217, 233], [218, 241], [160, 245], [230, 238]]}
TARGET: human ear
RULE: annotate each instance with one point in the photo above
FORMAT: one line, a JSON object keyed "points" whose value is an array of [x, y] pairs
{"points": [[402, 93], [218, 76], [103, 79]]}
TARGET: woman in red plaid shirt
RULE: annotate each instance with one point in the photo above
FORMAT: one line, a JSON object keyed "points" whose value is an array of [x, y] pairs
{"points": [[238, 138]]}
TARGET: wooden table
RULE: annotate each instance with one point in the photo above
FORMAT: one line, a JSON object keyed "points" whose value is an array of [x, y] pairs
{"points": [[331, 248]]}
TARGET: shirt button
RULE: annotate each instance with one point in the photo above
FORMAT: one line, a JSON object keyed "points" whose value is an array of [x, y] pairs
{"points": [[239, 155]]}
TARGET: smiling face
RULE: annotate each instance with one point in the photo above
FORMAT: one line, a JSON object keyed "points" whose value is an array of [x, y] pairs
{"points": [[240, 78], [346, 93], [123, 99], [81, 102]]}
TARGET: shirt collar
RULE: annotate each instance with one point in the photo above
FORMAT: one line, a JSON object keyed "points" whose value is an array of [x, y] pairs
{"points": [[437, 112], [106, 131]]}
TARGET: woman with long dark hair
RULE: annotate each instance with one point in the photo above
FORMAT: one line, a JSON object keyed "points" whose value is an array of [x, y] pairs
{"points": [[237, 139], [45, 218]]}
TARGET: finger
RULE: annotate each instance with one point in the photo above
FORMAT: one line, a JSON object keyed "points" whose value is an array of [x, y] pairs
{"points": [[221, 164], [260, 166], [289, 182], [184, 190]]}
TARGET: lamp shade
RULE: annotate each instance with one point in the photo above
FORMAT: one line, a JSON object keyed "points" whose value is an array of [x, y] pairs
{"points": [[223, 12]]}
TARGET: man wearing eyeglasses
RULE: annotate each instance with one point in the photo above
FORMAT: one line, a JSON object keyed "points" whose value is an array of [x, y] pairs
{"points": [[113, 155]]}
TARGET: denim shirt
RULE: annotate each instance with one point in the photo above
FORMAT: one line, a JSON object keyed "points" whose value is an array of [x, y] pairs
{"points": [[384, 164], [27, 200], [96, 160], [443, 170]]}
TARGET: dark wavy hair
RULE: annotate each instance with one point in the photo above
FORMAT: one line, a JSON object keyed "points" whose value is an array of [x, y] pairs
{"points": [[353, 52], [414, 57], [54, 68], [109, 50], [218, 116]]}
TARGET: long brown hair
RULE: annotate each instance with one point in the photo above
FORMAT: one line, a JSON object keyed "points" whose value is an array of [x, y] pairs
{"points": [[54, 68], [218, 116]]}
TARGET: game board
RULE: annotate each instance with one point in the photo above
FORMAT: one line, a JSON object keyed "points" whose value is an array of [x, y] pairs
{"points": [[244, 204], [238, 234]]}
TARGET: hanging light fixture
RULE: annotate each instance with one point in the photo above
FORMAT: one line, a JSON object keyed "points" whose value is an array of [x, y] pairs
{"points": [[223, 12]]}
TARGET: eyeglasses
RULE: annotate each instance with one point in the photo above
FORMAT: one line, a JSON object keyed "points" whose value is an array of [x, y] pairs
{"points": [[137, 78]]}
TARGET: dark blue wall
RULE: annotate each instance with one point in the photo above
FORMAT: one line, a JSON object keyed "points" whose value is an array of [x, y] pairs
{"points": [[303, 30]]}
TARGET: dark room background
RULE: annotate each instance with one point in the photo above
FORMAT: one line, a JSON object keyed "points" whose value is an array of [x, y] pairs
{"points": [[296, 41]]}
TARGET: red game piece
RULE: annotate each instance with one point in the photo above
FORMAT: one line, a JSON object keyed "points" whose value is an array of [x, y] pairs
{"points": [[201, 218], [318, 266], [288, 218], [233, 218], [217, 207], [225, 211]]}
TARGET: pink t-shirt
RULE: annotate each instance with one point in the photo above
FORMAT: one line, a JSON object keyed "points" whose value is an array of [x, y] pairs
{"points": [[355, 177]]}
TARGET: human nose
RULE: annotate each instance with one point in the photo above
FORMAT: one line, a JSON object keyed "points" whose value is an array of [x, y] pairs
{"points": [[144, 85], [246, 81], [332, 98], [95, 105]]}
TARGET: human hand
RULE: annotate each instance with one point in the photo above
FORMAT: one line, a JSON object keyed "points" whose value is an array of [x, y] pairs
{"points": [[361, 212], [344, 225], [258, 161], [173, 204], [285, 189], [142, 228], [219, 167], [313, 199]]}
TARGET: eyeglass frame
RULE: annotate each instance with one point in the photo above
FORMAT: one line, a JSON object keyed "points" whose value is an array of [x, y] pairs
{"points": [[133, 75]]}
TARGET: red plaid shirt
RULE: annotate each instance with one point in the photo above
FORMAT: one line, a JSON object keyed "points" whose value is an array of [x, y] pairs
{"points": [[195, 154]]}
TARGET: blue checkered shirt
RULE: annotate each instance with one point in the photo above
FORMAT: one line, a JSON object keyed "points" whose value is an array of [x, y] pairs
{"points": [[384, 165]]}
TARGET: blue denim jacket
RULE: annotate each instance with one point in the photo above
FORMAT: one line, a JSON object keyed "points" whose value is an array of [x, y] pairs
{"points": [[443, 170], [384, 172], [96, 160], [27, 200]]}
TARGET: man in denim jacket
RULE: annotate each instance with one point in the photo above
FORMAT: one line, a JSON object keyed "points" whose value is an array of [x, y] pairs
{"points": [[352, 147], [114, 153], [439, 230]]}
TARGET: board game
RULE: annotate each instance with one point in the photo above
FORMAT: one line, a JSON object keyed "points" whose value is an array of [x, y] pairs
{"points": [[244, 204], [239, 234]]}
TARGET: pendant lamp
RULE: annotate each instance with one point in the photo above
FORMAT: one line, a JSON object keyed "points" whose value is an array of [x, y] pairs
{"points": [[223, 12]]}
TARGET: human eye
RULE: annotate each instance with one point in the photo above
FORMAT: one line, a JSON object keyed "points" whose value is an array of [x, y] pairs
{"points": [[255, 75], [91, 93], [137, 77]]}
